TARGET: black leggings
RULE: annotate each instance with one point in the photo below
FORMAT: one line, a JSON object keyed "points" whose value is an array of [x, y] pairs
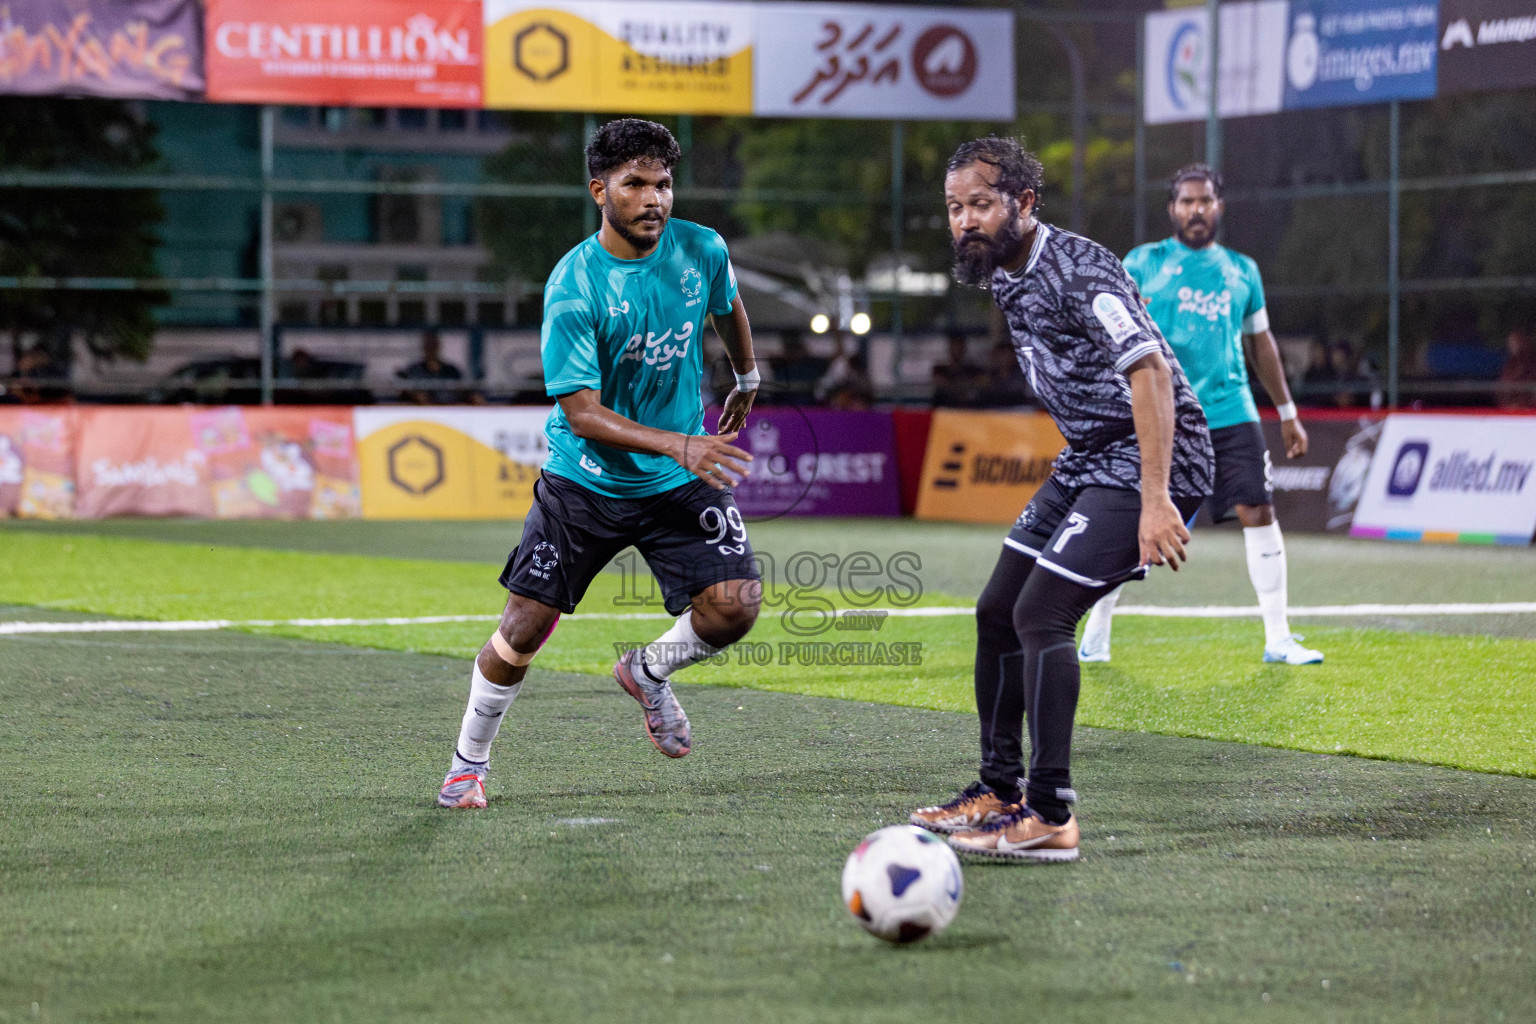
{"points": [[1026, 669]]}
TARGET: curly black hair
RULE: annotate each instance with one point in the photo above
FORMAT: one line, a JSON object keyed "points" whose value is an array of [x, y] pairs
{"points": [[1017, 168], [629, 138], [1194, 172]]}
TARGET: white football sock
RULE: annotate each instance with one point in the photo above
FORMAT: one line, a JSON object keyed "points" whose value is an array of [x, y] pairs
{"points": [[1266, 568], [675, 649], [488, 705], [1100, 617]]}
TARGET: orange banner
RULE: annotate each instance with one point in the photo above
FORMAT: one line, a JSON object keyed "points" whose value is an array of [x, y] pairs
{"points": [[226, 463], [37, 461], [367, 53], [983, 467]]}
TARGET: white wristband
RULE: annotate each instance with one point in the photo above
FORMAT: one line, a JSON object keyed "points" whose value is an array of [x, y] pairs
{"points": [[748, 381], [1286, 411]]}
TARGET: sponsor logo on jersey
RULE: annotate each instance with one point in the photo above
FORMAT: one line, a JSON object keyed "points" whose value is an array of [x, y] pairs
{"points": [[591, 467], [659, 351], [1117, 320], [622, 307], [1213, 306]]}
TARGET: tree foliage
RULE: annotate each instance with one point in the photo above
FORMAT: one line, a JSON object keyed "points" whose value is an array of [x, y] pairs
{"points": [[71, 232]]}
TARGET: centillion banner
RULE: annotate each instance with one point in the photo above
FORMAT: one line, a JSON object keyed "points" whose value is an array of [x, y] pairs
{"points": [[656, 58], [983, 467], [449, 462]]}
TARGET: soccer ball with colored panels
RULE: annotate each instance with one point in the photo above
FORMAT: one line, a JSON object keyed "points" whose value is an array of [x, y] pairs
{"points": [[902, 883]]}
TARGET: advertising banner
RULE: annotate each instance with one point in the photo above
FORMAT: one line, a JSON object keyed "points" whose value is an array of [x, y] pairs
{"points": [[983, 467], [817, 462], [449, 462], [124, 49], [1343, 52], [857, 60], [227, 463], [652, 58], [37, 462], [398, 53], [1487, 44], [1177, 60], [1317, 493], [1467, 479]]}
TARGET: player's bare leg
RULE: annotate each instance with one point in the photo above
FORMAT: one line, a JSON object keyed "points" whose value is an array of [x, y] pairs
{"points": [[720, 615], [1267, 571], [494, 684]]}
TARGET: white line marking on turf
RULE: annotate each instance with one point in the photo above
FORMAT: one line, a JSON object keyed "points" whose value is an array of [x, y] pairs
{"points": [[1160, 611]]}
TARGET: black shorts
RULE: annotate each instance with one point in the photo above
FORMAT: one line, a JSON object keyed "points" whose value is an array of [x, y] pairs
{"points": [[1089, 535], [692, 537], [1242, 471]]}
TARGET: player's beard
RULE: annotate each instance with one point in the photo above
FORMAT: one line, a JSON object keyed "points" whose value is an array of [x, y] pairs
{"points": [[1211, 224], [977, 254], [640, 242]]}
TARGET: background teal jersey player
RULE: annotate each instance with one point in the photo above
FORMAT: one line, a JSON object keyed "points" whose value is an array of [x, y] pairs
{"points": [[630, 462], [1208, 301], [633, 330]]}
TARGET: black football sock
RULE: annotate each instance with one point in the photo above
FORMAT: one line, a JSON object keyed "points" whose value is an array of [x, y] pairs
{"points": [[999, 672]]}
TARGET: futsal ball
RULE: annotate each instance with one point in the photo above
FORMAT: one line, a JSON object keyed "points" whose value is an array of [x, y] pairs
{"points": [[902, 883]]}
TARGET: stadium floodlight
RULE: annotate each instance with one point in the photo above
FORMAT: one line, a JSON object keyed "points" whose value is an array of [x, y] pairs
{"points": [[820, 322], [859, 323]]}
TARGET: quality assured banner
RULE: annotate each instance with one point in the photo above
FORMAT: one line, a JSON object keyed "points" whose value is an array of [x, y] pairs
{"points": [[1468, 479], [449, 462], [1487, 44], [656, 58], [817, 462], [37, 462], [983, 467], [402, 53], [1343, 52], [228, 463], [910, 63], [1177, 58], [125, 49]]}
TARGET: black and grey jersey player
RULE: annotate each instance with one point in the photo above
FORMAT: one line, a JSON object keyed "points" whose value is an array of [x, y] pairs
{"points": [[1137, 465]]}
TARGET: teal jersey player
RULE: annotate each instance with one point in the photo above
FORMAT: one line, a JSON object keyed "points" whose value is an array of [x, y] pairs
{"points": [[630, 464], [1209, 303], [632, 330], [1204, 300]]}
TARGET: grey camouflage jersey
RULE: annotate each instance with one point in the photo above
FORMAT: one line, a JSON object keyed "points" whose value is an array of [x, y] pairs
{"points": [[1077, 322]]}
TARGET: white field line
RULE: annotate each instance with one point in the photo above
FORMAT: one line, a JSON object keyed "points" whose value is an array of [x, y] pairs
{"points": [[1170, 612]]}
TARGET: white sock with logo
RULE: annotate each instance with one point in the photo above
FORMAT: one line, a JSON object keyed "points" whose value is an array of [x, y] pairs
{"points": [[675, 649], [488, 705], [1096, 632], [1266, 568]]}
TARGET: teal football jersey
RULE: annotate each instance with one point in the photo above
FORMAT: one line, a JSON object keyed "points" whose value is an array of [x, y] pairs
{"points": [[1204, 301], [632, 330]]}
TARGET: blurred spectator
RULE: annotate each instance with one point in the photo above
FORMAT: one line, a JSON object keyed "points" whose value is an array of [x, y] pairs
{"points": [[847, 376], [431, 367], [1005, 381], [795, 370], [958, 384], [1517, 380], [1347, 378], [39, 378]]}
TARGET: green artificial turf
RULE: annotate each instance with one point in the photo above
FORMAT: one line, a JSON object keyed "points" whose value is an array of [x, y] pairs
{"points": [[225, 827], [1463, 701]]}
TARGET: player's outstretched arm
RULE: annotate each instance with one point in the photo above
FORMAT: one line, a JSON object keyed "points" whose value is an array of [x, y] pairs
{"points": [[736, 333], [1162, 532], [712, 459], [1271, 370]]}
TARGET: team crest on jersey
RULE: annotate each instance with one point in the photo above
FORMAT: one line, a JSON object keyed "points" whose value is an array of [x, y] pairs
{"points": [[1213, 306], [693, 285]]}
